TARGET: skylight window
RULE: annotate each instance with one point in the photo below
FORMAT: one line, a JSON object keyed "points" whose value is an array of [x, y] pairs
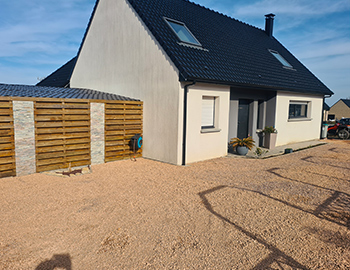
{"points": [[182, 32], [281, 59]]}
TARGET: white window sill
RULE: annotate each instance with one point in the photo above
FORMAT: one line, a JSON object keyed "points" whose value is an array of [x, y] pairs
{"points": [[210, 130], [299, 119]]}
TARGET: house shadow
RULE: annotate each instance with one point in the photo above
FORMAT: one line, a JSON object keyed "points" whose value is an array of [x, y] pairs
{"points": [[276, 256], [58, 261], [336, 208]]}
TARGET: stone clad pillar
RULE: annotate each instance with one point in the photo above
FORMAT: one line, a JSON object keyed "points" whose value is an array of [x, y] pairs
{"points": [[24, 128], [97, 111]]}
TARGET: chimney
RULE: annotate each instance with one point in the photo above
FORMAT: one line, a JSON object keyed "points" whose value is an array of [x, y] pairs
{"points": [[269, 24]]}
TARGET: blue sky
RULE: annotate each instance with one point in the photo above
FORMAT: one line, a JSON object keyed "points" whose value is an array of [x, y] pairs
{"points": [[39, 36]]}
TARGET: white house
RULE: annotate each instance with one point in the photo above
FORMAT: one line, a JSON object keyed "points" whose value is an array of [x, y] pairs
{"points": [[203, 77]]}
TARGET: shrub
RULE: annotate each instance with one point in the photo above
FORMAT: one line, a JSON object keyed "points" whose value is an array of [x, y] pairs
{"points": [[247, 142]]}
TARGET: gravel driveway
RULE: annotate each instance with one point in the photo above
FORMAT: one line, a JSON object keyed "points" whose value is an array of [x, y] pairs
{"points": [[287, 212]]}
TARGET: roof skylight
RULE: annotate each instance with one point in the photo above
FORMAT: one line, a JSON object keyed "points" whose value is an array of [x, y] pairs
{"points": [[182, 32], [281, 59]]}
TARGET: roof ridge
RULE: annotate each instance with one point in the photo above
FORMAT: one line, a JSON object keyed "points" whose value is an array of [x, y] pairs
{"points": [[223, 14]]}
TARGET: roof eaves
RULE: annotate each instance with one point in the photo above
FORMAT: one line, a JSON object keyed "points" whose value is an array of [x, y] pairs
{"points": [[252, 86]]}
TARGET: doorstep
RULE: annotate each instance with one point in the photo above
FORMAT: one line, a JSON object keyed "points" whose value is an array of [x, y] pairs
{"points": [[279, 150]]}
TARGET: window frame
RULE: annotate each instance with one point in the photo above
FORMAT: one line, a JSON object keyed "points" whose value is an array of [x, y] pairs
{"points": [[281, 59], [298, 115], [172, 21], [213, 126]]}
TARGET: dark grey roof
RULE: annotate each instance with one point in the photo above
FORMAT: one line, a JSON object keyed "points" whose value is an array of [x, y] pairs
{"points": [[60, 77], [12, 90], [232, 52], [346, 101]]}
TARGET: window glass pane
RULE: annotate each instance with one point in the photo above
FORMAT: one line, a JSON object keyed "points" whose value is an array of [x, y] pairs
{"points": [[281, 59], [297, 110], [208, 109], [183, 33]]}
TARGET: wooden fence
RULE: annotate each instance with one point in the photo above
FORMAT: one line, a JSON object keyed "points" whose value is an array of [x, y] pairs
{"points": [[123, 119], [62, 133], [7, 142]]}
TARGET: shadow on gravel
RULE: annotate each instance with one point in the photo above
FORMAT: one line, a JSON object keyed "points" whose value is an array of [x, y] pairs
{"points": [[275, 258], [336, 150], [61, 261], [308, 159], [331, 237], [335, 208]]}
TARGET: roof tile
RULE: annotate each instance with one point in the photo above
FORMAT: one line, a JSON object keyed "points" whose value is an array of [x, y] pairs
{"points": [[13, 90]]}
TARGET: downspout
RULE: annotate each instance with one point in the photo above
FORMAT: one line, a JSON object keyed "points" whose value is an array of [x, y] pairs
{"points": [[322, 114], [184, 135], [324, 100]]}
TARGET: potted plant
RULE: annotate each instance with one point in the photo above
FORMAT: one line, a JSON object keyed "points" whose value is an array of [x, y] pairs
{"points": [[270, 137], [242, 145]]}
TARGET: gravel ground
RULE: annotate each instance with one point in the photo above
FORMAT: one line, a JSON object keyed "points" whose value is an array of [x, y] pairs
{"points": [[286, 212]]}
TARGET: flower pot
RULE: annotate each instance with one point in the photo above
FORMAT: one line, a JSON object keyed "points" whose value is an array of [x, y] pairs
{"points": [[270, 140], [242, 150]]}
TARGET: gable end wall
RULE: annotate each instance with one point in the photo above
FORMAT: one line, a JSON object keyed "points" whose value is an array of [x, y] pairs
{"points": [[120, 56]]}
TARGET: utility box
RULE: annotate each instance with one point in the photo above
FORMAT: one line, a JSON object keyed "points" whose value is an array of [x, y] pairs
{"points": [[324, 131]]}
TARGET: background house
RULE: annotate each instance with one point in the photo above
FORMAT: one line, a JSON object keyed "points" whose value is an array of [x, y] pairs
{"points": [[339, 110], [204, 77]]}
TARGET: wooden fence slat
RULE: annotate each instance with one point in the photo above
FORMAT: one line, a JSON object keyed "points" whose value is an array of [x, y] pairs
{"points": [[48, 155], [41, 162], [78, 158], [7, 127], [7, 167], [126, 117], [7, 153], [5, 111], [7, 139], [50, 167], [41, 137], [60, 118], [77, 152], [7, 173], [6, 160]]}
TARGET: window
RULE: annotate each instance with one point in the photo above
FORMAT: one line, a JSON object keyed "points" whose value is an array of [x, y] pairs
{"points": [[281, 59], [208, 112], [298, 109], [182, 32]]}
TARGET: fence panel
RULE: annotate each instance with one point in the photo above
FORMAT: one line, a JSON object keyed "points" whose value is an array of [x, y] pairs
{"points": [[62, 134], [123, 119], [7, 142]]}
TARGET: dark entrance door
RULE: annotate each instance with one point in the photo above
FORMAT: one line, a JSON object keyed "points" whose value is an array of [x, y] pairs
{"points": [[243, 118]]}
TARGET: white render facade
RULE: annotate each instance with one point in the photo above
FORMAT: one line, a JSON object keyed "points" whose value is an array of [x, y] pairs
{"points": [[120, 55]]}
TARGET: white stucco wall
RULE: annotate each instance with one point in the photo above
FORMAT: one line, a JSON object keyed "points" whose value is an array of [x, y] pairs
{"points": [[120, 56], [202, 146], [291, 131]]}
